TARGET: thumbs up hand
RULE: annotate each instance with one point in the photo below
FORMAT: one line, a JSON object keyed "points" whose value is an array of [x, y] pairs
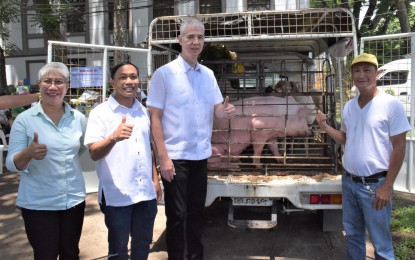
{"points": [[228, 109], [36, 150], [123, 131]]}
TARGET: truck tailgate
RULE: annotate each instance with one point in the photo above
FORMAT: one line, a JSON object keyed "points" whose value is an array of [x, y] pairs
{"points": [[296, 188]]}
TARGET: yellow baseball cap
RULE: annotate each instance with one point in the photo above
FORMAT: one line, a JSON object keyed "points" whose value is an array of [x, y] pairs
{"points": [[365, 57]]}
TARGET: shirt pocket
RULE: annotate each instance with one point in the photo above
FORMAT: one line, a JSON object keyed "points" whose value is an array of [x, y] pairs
{"points": [[178, 91]]}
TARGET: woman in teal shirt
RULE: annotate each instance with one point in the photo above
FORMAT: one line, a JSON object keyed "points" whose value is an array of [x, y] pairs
{"points": [[45, 146]]}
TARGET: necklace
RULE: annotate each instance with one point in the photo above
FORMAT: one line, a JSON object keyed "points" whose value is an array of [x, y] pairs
{"points": [[55, 119], [54, 116]]}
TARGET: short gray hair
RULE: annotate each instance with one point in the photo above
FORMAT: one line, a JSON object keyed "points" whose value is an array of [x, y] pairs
{"points": [[57, 67], [190, 21]]}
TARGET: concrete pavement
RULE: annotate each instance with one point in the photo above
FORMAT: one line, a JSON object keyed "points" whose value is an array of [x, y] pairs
{"points": [[220, 240], [93, 244]]}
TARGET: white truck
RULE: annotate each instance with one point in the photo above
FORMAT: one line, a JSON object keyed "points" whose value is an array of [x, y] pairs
{"points": [[394, 78], [283, 54]]}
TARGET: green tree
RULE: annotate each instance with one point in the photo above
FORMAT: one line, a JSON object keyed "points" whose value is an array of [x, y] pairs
{"points": [[380, 17], [51, 17], [401, 6], [9, 12]]}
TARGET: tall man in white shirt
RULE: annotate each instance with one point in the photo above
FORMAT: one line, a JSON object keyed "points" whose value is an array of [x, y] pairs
{"points": [[118, 136], [183, 99]]}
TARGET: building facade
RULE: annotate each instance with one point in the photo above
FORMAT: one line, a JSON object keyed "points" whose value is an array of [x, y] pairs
{"points": [[92, 22]]}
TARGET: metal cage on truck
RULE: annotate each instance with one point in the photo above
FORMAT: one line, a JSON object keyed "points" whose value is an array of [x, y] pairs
{"points": [[296, 54]]}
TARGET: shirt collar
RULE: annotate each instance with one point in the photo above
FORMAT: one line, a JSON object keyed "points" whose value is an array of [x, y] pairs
{"points": [[185, 66], [113, 103], [38, 109]]}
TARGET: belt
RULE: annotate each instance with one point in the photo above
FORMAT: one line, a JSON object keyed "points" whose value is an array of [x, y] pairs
{"points": [[369, 179]]}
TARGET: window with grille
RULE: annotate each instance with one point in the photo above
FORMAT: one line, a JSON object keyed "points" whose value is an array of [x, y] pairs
{"points": [[76, 62], [210, 6], [76, 16], [163, 8], [259, 5], [393, 78]]}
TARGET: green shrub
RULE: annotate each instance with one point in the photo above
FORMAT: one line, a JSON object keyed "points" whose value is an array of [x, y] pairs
{"points": [[403, 231]]}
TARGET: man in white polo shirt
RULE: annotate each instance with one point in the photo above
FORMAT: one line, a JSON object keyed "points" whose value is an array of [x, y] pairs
{"points": [[118, 137], [183, 99]]}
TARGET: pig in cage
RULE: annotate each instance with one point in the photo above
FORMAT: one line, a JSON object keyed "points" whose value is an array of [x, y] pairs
{"points": [[274, 128], [89, 67], [278, 68]]}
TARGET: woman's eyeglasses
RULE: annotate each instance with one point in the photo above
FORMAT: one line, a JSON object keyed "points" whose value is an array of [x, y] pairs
{"points": [[57, 82]]}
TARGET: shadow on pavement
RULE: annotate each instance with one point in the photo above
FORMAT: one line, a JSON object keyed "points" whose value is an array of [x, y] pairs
{"points": [[13, 240]]}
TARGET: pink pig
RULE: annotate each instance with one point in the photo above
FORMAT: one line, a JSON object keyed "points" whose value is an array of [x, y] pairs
{"points": [[257, 120]]}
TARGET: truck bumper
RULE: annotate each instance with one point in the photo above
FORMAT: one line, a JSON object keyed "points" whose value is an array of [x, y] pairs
{"points": [[295, 188]]}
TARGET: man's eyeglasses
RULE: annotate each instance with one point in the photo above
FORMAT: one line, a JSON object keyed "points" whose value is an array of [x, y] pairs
{"points": [[57, 82]]}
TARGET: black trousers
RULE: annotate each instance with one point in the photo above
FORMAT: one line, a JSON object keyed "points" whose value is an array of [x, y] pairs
{"points": [[185, 200], [53, 233]]}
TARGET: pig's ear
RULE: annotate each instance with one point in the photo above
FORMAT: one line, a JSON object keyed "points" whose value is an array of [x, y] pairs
{"points": [[305, 111]]}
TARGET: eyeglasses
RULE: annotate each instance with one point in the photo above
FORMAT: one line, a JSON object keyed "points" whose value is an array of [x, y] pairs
{"points": [[57, 82]]}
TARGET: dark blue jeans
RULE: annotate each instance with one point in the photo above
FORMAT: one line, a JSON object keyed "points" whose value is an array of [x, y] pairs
{"points": [[136, 220], [185, 200]]}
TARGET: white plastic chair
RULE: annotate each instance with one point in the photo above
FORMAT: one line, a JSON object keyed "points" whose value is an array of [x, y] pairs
{"points": [[3, 140], [3, 147]]}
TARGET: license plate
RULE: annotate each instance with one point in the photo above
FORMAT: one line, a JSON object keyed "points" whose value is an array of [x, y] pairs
{"points": [[251, 201]]}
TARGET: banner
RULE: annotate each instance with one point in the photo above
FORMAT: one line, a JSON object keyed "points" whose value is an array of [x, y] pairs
{"points": [[86, 77]]}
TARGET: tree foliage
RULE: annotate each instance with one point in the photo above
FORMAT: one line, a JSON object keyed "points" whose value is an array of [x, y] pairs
{"points": [[378, 17], [51, 17], [9, 12]]}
